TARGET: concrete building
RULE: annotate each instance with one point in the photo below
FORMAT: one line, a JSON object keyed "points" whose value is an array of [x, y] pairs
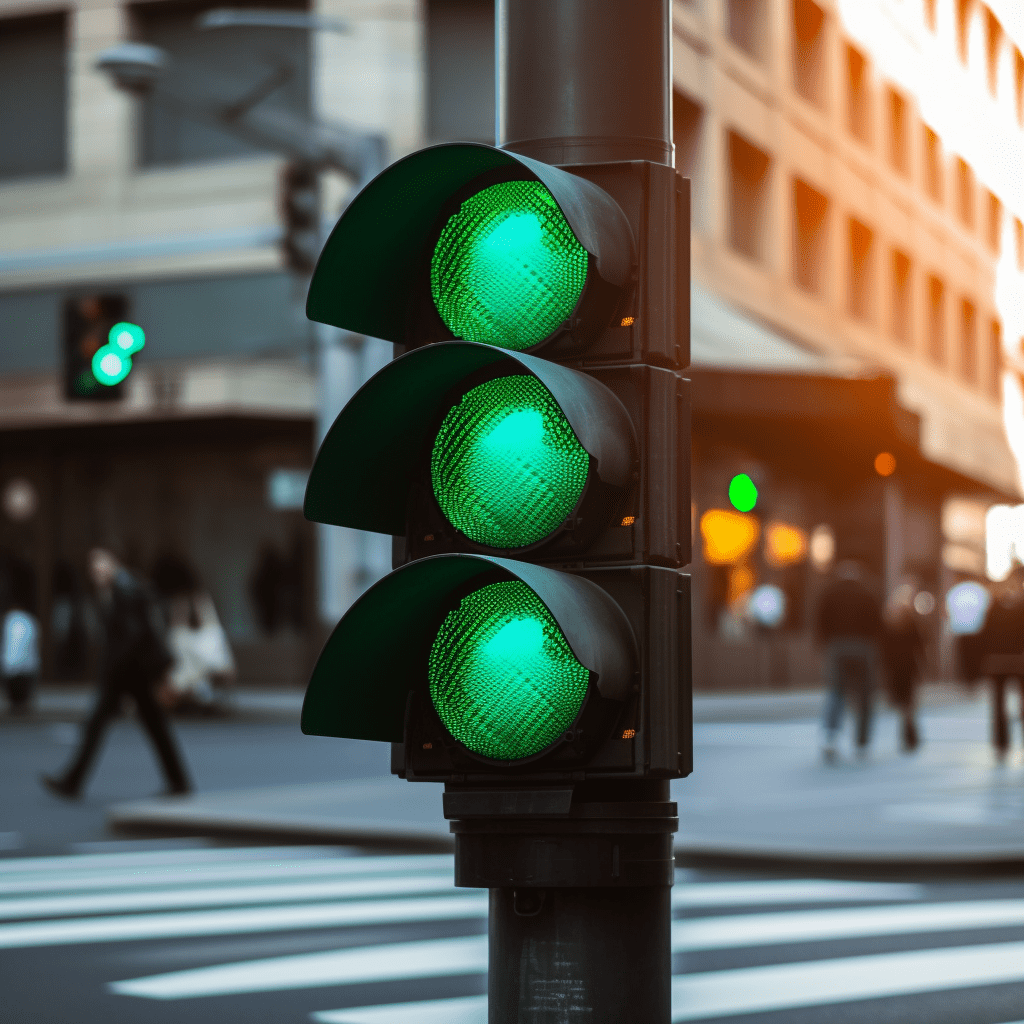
{"points": [[857, 258], [857, 261]]}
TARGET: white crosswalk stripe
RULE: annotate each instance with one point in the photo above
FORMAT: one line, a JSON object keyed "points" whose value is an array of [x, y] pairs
{"points": [[149, 896]]}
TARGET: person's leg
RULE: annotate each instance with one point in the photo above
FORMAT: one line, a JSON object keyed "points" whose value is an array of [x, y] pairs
{"points": [[834, 698], [1000, 726], [156, 723], [106, 708], [859, 683], [19, 692]]}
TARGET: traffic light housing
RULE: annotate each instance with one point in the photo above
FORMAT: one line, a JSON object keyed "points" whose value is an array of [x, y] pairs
{"points": [[528, 448], [300, 214], [99, 342]]}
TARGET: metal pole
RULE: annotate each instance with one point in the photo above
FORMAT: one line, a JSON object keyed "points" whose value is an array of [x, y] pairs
{"points": [[585, 81], [579, 907]]}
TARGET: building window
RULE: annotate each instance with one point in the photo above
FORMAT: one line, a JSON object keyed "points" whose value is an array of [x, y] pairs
{"points": [[901, 298], [227, 65], [861, 257], [994, 222], [968, 341], [899, 150], [993, 41], [963, 27], [460, 70], [965, 193], [1018, 84], [749, 179], [936, 321], [929, 14], [688, 136], [809, 51], [995, 360], [810, 224], [858, 98], [932, 164], [1018, 234], [748, 27], [33, 96]]}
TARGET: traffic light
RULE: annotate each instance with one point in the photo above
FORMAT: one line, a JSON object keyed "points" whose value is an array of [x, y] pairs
{"points": [[528, 448], [99, 342], [300, 211]]}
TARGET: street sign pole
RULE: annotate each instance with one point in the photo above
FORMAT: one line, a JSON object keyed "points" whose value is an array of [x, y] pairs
{"points": [[579, 876]]}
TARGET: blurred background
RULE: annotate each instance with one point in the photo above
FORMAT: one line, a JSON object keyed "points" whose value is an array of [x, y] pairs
{"points": [[857, 313]]}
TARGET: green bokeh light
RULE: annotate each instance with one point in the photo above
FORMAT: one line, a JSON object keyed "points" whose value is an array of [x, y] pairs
{"points": [[507, 269], [742, 492], [126, 338], [110, 366], [506, 467], [502, 676]]}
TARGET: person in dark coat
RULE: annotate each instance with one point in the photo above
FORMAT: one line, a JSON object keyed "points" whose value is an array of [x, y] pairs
{"points": [[134, 662], [1001, 635], [903, 646], [848, 624]]}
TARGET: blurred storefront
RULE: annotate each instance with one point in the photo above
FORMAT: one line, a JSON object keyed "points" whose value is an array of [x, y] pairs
{"points": [[801, 460]]}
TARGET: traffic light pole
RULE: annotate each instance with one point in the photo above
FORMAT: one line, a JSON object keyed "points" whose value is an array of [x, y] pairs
{"points": [[580, 876]]}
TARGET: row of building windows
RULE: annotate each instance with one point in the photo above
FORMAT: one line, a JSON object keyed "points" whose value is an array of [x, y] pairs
{"points": [[748, 28], [748, 198]]}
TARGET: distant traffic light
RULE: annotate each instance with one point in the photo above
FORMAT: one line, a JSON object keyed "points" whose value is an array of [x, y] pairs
{"points": [[742, 492], [300, 212], [529, 446], [98, 345]]}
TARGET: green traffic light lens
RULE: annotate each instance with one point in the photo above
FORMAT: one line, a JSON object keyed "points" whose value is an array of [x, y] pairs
{"points": [[507, 269], [506, 467], [126, 338], [110, 366], [742, 492], [502, 676]]}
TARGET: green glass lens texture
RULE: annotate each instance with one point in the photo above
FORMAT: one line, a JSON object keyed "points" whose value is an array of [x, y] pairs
{"points": [[506, 467], [507, 269], [502, 676]]}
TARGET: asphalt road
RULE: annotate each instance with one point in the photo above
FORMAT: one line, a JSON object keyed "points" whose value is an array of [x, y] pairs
{"points": [[282, 934], [96, 927], [259, 750]]}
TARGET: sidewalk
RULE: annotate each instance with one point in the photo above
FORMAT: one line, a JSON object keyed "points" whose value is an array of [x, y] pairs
{"points": [[759, 793]]}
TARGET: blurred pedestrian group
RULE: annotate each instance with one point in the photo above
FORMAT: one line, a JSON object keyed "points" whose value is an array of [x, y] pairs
{"points": [[869, 647]]}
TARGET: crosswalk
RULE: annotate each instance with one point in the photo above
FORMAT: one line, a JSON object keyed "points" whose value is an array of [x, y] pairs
{"points": [[913, 939]]}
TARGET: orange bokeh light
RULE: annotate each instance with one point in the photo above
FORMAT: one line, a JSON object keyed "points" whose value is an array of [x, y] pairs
{"points": [[784, 545], [885, 464], [728, 536]]}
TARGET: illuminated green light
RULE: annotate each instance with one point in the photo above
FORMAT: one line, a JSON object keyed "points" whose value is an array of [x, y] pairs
{"points": [[506, 467], [507, 269], [502, 676], [126, 338], [109, 366], [742, 492]]}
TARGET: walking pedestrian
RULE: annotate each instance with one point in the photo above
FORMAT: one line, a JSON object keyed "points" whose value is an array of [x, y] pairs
{"points": [[1000, 644], [19, 635], [134, 662], [903, 645], [848, 624]]}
